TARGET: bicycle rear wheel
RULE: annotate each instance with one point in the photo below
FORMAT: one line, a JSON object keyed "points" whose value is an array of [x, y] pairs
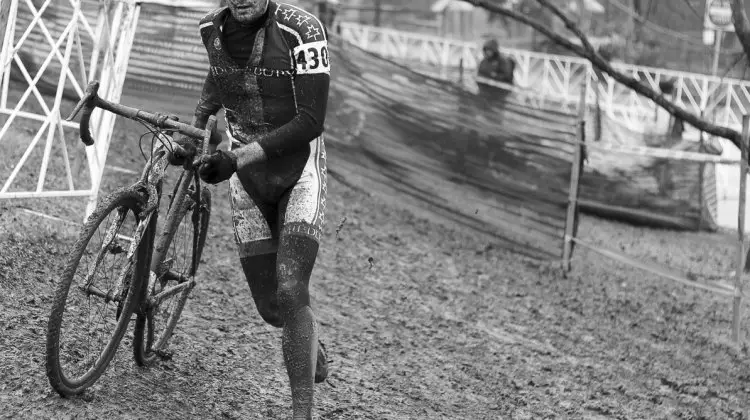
{"points": [[175, 261], [96, 297]]}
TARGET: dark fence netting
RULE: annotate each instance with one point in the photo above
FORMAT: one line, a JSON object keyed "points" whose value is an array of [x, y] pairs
{"points": [[167, 52], [624, 179], [498, 168], [663, 192], [659, 191]]}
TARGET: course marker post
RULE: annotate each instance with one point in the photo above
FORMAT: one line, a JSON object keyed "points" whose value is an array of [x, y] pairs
{"points": [[737, 305], [575, 176]]}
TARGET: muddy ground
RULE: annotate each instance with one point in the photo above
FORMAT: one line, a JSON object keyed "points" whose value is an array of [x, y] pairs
{"points": [[420, 320]]}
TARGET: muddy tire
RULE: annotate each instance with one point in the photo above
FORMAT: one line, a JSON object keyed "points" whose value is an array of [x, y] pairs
{"points": [[125, 205]]}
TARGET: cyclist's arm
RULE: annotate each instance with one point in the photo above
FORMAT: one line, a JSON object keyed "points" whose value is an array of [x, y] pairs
{"points": [[311, 91], [208, 104], [312, 64]]}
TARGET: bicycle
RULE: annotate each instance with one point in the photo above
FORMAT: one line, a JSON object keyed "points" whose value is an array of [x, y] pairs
{"points": [[147, 279]]}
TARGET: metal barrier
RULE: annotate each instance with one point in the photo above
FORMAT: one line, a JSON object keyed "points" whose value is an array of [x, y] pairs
{"points": [[58, 34]]}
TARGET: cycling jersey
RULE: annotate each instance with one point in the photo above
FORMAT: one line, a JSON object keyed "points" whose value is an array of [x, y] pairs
{"points": [[277, 99]]}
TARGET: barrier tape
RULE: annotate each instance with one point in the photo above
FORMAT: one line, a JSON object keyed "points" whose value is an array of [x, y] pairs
{"points": [[656, 152], [661, 271]]}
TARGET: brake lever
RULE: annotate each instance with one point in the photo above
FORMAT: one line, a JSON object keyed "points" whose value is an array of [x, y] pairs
{"points": [[91, 92], [210, 127]]}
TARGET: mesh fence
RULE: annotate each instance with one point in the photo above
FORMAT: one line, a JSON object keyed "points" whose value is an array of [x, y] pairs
{"points": [[654, 186], [637, 186], [497, 167]]}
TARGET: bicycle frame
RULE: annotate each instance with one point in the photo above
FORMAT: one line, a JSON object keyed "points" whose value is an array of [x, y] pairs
{"points": [[152, 176], [155, 175]]}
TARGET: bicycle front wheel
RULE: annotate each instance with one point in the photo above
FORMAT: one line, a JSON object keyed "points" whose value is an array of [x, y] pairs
{"points": [[175, 261], [97, 293]]}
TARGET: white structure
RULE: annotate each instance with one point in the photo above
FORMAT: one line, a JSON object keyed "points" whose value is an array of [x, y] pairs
{"points": [[76, 42], [561, 77]]}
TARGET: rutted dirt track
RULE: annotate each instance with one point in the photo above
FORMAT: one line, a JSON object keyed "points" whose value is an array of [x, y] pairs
{"points": [[421, 321]]}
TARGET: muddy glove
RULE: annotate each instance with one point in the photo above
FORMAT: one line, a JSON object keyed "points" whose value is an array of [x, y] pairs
{"points": [[218, 167], [179, 157]]}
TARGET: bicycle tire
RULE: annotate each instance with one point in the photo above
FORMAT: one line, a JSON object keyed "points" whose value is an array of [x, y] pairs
{"points": [[148, 346], [130, 199]]}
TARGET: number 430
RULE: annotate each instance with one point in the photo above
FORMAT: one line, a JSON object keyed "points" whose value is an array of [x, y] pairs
{"points": [[316, 58]]}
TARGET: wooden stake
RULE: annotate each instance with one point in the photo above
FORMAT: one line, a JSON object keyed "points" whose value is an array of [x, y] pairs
{"points": [[701, 181], [575, 175], [737, 306]]}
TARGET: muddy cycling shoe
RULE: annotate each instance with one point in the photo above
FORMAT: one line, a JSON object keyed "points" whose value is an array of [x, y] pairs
{"points": [[321, 367]]}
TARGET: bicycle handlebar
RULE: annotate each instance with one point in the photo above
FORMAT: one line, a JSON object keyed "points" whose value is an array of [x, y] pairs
{"points": [[91, 101]]}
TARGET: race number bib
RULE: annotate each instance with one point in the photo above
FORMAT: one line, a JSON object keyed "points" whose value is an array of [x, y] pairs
{"points": [[313, 58]]}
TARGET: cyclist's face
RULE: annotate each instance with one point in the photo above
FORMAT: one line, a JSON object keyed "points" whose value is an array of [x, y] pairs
{"points": [[247, 11]]}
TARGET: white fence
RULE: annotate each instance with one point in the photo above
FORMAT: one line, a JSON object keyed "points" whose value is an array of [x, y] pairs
{"points": [[561, 77]]}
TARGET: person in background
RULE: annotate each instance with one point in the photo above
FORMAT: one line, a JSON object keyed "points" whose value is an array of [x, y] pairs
{"points": [[669, 131], [673, 126], [494, 67]]}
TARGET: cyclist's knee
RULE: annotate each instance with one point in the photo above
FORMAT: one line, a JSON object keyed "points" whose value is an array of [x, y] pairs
{"points": [[295, 262], [268, 309], [260, 273], [293, 296]]}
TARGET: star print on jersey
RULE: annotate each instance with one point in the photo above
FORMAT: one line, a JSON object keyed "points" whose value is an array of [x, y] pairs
{"points": [[288, 14], [313, 32], [302, 19]]}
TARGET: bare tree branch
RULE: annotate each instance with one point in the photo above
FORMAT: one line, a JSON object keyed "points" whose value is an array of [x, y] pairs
{"points": [[586, 50]]}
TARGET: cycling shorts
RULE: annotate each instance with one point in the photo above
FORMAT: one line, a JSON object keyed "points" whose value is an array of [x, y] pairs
{"points": [[281, 197]]}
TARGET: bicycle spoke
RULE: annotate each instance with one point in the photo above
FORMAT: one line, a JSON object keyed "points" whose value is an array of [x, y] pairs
{"points": [[109, 237], [94, 300]]}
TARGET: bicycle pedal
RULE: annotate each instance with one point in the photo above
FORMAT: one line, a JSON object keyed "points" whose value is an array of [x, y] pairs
{"points": [[164, 267], [116, 249]]}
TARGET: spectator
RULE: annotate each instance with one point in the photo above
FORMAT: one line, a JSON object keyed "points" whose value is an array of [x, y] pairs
{"points": [[495, 67], [674, 126]]}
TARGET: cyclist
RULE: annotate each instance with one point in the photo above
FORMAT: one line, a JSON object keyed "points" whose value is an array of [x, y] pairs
{"points": [[270, 71]]}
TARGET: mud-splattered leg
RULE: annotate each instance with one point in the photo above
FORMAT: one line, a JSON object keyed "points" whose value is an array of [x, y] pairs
{"points": [[295, 261], [260, 272]]}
